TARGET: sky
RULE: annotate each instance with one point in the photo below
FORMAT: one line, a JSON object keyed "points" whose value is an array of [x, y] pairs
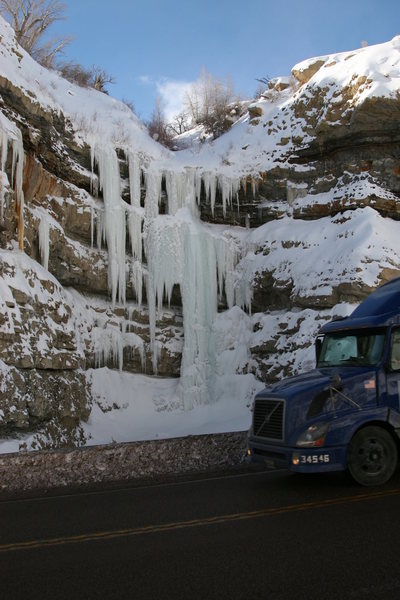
{"points": [[159, 47]]}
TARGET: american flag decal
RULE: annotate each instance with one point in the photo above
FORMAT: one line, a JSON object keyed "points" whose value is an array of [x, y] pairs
{"points": [[369, 384]]}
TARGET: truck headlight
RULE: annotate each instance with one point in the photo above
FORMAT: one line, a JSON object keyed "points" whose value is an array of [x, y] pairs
{"points": [[313, 436]]}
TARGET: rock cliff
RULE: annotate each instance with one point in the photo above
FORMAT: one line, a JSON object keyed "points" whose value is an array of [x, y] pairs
{"points": [[203, 264]]}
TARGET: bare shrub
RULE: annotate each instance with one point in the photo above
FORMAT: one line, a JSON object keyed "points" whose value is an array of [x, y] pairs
{"points": [[100, 78], [76, 73], [129, 104], [95, 77]]}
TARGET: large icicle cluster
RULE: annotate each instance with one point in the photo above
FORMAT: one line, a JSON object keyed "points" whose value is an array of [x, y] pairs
{"points": [[10, 135], [178, 250]]}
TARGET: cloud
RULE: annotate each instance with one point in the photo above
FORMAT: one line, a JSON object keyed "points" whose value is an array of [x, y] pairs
{"points": [[173, 94], [146, 80]]}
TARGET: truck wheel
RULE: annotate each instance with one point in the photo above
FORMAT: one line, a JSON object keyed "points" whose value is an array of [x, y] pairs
{"points": [[372, 456]]}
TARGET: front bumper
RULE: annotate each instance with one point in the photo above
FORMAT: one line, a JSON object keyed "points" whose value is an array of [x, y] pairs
{"points": [[300, 460]]}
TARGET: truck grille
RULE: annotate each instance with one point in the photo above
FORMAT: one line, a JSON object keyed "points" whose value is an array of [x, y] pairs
{"points": [[268, 418]]}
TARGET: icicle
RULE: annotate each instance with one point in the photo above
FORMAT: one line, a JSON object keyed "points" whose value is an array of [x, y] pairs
{"points": [[108, 345], [99, 227], [44, 239], [176, 184], [244, 283], [130, 315], [134, 178], [213, 191], [164, 252], [17, 172], [171, 182], [152, 319], [235, 192], [183, 190], [153, 194], [110, 341], [165, 255], [94, 181], [136, 277], [92, 215], [206, 184], [114, 220], [190, 195], [198, 180], [3, 161], [135, 219], [225, 186], [227, 257]]}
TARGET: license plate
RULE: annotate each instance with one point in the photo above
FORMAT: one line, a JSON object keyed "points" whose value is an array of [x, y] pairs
{"points": [[314, 459]]}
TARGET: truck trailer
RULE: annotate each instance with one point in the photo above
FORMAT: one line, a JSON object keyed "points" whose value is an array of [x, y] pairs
{"points": [[344, 415]]}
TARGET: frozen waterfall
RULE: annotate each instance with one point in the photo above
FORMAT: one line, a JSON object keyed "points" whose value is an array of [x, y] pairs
{"points": [[167, 250]]}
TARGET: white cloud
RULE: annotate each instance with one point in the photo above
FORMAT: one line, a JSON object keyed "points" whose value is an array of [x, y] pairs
{"points": [[172, 94], [146, 80]]}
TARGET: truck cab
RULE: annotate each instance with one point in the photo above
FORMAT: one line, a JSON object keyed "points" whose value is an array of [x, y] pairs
{"points": [[345, 413]]}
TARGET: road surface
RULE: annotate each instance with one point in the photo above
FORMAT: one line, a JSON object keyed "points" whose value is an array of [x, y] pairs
{"points": [[255, 535]]}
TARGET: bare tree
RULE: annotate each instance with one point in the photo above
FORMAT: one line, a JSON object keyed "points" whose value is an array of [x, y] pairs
{"points": [[211, 102], [158, 127], [180, 123], [30, 20]]}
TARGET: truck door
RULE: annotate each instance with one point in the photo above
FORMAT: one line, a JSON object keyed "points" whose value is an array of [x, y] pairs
{"points": [[393, 372]]}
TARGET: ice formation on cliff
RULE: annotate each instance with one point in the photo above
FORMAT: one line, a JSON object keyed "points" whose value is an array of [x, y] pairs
{"points": [[44, 239], [11, 135], [178, 250]]}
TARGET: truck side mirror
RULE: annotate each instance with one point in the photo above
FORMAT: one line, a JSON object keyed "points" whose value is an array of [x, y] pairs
{"points": [[337, 381]]}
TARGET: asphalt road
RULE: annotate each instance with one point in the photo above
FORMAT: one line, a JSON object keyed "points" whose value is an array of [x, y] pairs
{"points": [[252, 536]]}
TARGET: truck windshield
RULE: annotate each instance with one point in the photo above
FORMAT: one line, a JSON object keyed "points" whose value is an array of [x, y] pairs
{"points": [[354, 348]]}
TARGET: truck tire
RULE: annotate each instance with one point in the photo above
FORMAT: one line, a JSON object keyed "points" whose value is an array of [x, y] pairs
{"points": [[372, 456]]}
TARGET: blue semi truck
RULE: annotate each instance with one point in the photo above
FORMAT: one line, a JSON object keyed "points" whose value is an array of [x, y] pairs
{"points": [[344, 414]]}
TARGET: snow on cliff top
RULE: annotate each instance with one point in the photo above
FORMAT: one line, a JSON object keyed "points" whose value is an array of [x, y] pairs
{"points": [[379, 63]]}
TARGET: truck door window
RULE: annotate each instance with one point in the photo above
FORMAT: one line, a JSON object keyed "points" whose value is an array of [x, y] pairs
{"points": [[395, 352]]}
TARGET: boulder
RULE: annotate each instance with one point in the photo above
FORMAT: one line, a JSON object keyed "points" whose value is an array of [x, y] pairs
{"points": [[305, 70]]}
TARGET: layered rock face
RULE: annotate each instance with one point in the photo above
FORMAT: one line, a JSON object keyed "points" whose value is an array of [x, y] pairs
{"points": [[137, 259]]}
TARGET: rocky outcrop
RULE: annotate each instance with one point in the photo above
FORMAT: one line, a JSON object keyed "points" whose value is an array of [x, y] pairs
{"points": [[52, 401], [306, 70], [47, 134]]}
